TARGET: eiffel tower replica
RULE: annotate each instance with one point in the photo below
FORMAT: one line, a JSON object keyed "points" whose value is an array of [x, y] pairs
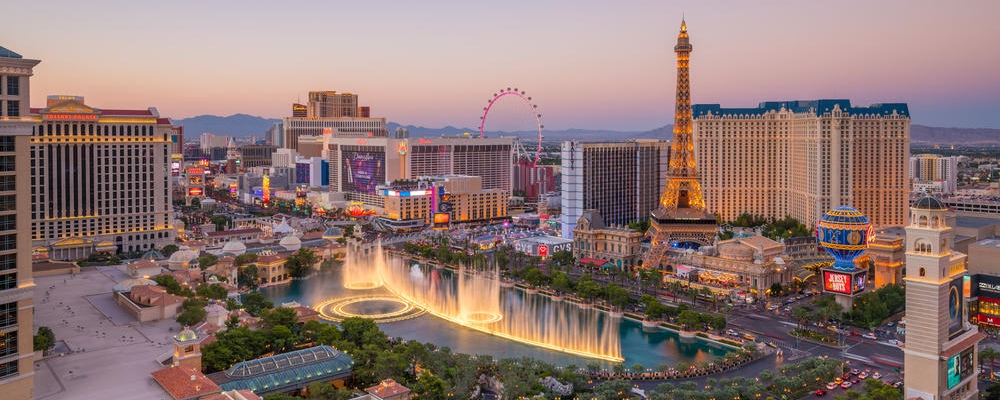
{"points": [[681, 216]]}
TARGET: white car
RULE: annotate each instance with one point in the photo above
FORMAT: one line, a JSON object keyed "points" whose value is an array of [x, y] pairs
{"points": [[869, 335]]}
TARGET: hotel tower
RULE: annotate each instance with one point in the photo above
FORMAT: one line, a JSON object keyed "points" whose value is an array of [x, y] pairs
{"points": [[801, 158], [17, 357], [940, 357]]}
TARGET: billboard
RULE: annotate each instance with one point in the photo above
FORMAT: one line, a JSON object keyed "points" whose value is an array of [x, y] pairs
{"points": [[837, 282], [956, 307], [986, 286], [195, 191], [363, 170], [960, 367], [844, 282]]}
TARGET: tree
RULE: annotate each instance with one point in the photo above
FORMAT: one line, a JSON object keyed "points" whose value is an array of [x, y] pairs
{"points": [[206, 260], [255, 302], [279, 316], [44, 339], [587, 289], [430, 387], [248, 276], [561, 282], [993, 392], [689, 319], [801, 315], [775, 289], [534, 277], [194, 312], [214, 291], [301, 263], [169, 250], [173, 287], [617, 296], [613, 390]]}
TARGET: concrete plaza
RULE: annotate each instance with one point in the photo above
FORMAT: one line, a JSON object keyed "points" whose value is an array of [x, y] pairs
{"points": [[107, 354]]}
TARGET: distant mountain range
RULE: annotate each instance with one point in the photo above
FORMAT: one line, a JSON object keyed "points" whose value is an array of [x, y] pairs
{"points": [[243, 125]]}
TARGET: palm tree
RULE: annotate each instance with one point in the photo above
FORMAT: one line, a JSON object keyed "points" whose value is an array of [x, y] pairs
{"points": [[801, 315], [988, 355]]}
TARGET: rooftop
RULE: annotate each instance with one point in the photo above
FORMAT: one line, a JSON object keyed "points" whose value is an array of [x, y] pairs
{"points": [[816, 107], [185, 382], [286, 371], [387, 388], [4, 52], [991, 242]]}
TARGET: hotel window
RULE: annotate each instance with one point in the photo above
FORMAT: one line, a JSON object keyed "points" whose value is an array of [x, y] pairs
{"points": [[8, 314], [8, 369], [13, 108], [13, 86]]}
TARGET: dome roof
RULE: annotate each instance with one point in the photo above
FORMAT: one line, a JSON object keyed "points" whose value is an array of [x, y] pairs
{"points": [[735, 250], [845, 215], [290, 243], [182, 256], [234, 247], [929, 203], [186, 335]]}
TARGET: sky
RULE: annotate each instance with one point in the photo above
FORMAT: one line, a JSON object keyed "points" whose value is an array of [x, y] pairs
{"points": [[586, 64]]}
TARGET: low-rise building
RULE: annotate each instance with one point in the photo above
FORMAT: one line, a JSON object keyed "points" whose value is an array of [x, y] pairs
{"points": [[593, 239], [149, 303]]}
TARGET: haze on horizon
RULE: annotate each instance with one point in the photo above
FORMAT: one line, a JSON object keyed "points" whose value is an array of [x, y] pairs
{"points": [[587, 64]]}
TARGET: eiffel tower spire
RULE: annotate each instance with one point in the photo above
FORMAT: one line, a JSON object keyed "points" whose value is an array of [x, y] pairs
{"points": [[683, 189], [681, 217]]}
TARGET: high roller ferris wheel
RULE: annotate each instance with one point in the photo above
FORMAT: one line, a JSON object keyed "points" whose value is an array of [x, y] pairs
{"points": [[522, 98]]}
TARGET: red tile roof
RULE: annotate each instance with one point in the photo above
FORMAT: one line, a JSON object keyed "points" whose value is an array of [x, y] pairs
{"points": [[184, 383], [595, 261], [387, 388], [149, 295], [163, 121]]}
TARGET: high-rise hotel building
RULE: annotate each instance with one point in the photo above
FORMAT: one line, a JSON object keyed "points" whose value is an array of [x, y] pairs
{"points": [[16, 285], [99, 178], [331, 114], [801, 158], [621, 180], [934, 174]]}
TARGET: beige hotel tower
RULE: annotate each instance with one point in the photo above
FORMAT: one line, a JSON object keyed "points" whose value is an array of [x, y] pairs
{"points": [[16, 284], [940, 357]]}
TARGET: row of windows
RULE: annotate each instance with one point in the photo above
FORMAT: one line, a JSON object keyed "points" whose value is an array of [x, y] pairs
{"points": [[6, 143], [51, 129]]}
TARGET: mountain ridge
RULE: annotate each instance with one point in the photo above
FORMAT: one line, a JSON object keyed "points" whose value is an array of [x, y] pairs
{"points": [[245, 125]]}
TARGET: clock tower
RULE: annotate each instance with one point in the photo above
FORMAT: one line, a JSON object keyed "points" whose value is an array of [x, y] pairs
{"points": [[940, 356]]}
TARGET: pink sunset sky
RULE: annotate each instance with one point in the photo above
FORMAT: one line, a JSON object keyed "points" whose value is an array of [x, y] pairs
{"points": [[587, 64]]}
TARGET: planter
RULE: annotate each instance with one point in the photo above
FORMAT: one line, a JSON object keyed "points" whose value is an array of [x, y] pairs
{"points": [[688, 334], [650, 326]]}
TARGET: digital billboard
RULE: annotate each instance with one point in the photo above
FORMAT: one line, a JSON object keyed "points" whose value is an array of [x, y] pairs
{"points": [[363, 170], [837, 282], [195, 191], [956, 306], [844, 283], [960, 367]]}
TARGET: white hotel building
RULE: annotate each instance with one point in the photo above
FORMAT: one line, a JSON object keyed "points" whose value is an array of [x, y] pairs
{"points": [[801, 158]]}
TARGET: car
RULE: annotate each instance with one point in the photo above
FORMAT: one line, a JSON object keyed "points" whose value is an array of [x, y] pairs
{"points": [[854, 381], [890, 324], [788, 308], [845, 377], [832, 328], [838, 380], [772, 308], [750, 337], [862, 375], [820, 392], [846, 384], [869, 335], [855, 371], [876, 375], [855, 333], [831, 385], [897, 384]]}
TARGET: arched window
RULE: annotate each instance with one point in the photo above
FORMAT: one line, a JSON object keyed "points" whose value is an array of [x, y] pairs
{"points": [[922, 272], [922, 221], [934, 222]]}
